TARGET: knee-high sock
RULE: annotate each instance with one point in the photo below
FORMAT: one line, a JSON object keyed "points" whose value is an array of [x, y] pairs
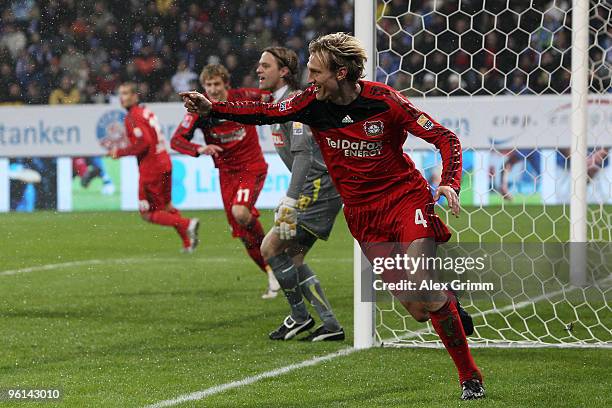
{"points": [[172, 219], [168, 218], [180, 230], [252, 242], [287, 275], [448, 325], [312, 290]]}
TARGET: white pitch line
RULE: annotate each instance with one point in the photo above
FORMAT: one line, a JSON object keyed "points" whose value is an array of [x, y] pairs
{"points": [[50, 267], [87, 262], [199, 395], [250, 380]]}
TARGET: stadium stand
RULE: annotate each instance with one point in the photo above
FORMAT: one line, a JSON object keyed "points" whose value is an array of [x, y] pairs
{"points": [[161, 44]]}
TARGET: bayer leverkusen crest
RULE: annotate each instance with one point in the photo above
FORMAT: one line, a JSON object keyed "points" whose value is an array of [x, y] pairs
{"points": [[373, 128]]}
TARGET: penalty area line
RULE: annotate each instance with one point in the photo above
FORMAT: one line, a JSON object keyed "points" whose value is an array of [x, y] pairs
{"points": [[198, 395]]}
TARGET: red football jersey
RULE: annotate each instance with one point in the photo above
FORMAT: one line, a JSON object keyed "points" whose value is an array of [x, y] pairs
{"points": [[362, 142], [240, 143], [147, 143]]}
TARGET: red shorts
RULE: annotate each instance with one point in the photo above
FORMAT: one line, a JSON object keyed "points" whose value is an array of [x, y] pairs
{"points": [[401, 216], [155, 193], [240, 187]]}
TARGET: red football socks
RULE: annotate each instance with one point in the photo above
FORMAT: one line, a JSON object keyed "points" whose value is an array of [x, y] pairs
{"points": [[252, 242], [447, 324], [172, 219]]}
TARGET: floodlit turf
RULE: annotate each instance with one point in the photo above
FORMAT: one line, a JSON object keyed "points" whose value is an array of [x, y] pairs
{"points": [[131, 322]]}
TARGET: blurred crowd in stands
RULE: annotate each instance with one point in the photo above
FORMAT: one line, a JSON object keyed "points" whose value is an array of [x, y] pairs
{"points": [[78, 51]]}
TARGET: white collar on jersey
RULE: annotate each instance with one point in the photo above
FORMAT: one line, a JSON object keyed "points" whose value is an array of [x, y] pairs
{"points": [[278, 94]]}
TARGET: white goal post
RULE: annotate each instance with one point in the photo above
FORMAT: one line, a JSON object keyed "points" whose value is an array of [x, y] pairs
{"points": [[569, 307], [363, 311]]}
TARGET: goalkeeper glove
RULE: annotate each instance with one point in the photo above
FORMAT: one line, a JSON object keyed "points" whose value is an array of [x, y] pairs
{"points": [[285, 218]]}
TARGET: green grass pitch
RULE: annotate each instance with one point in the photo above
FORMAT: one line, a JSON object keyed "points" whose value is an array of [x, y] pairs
{"points": [[132, 322]]}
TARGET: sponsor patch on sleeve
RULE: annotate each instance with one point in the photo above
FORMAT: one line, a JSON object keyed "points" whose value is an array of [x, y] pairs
{"points": [[298, 128], [137, 132], [187, 121], [425, 123], [284, 105]]}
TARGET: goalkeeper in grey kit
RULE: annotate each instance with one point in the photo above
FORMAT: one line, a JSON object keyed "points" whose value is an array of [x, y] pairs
{"points": [[306, 214]]}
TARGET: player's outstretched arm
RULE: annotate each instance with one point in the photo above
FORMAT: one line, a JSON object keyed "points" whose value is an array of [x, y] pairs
{"points": [[134, 149], [252, 112], [422, 125], [139, 134], [450, 149], [181, 139], [196, 103]]}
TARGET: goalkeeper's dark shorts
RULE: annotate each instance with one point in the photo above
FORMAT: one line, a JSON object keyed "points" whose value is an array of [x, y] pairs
{"points": [[317, 220]]}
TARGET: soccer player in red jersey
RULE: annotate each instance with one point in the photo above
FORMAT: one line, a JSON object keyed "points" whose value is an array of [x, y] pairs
{"points": [[155, 168], [361, 128], [236, 152]]}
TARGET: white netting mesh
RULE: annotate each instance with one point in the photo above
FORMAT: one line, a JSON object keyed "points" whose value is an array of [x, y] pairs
{"points": [[498, 74]]}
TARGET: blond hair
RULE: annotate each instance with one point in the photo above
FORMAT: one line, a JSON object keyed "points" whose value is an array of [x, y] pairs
{"points": [[340, 50], [214, 70]]}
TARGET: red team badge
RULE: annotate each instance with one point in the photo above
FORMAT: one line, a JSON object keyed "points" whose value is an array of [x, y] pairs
{"points": [[373, 128]]}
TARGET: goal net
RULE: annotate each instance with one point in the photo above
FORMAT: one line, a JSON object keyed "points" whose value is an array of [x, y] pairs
{"points": [[499, 74]]}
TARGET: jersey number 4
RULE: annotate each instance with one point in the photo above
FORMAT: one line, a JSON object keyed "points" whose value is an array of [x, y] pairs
{"points": [[419, 219]]}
